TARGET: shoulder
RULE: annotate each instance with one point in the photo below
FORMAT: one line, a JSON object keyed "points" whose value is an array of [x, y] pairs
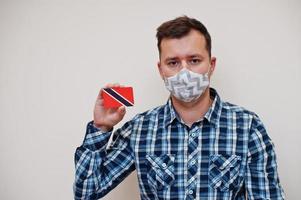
{"points": [[233, 108], [244, 115]]}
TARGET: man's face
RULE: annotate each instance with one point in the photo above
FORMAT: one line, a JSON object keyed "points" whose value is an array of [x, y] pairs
{"points": [[189, 51]]}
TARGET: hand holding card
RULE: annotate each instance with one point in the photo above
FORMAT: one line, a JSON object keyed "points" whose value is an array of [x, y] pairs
{"points": [[115, 97]]}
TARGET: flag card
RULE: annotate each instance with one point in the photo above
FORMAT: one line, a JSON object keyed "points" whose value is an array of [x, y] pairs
{"points": [[115, 97]]}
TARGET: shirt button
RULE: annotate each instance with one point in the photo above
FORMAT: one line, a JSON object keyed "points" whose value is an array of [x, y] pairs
{"points": [[192, 134], [190, 192], [164, 165], [192, 162]]}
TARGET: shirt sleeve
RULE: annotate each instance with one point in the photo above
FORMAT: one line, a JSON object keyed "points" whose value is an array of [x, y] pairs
{"points": [[98, 167], [262, 180]]}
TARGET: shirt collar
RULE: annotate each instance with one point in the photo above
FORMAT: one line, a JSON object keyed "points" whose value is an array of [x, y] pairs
{"points": [[214, 112], [212, 115]]}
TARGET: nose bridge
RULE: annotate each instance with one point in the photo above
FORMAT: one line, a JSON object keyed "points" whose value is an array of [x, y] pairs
{"points": [[184, 63]]}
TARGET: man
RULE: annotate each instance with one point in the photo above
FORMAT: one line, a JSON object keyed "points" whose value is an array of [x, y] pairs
{"points": [[194, 147]]}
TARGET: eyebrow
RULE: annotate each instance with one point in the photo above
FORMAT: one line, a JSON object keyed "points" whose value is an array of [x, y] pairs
{"points": [[189, 56]]}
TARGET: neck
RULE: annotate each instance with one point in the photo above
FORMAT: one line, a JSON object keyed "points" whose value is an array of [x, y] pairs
{"points": [[191, 112]]}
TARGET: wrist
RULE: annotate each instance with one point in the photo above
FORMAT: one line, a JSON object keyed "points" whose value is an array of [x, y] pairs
{"points": [[103, 128]]}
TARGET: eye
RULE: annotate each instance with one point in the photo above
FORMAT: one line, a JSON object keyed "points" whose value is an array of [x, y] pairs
{"points": [[173, 63], [194, 61]]}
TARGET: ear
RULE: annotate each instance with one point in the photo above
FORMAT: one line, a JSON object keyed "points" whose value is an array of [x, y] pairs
{"points": [[212, 63], [160, 70]]}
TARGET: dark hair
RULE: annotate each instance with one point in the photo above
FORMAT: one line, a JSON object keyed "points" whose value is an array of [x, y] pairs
{"points": [[180, 27]]}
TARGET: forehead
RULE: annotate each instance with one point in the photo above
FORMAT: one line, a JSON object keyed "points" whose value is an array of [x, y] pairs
{"points": [[193, 43]]}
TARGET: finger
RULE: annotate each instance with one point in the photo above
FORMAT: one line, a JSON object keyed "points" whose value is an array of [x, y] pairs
{"points": [[112, 110], [109, 85], [116, 85], [121, 109], [99, 96], [101, 102]]}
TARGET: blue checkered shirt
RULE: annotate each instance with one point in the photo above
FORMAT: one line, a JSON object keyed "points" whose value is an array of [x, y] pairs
{"points": [[225, 155]]}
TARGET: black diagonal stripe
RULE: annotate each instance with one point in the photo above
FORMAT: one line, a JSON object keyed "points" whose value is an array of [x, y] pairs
{"points": [[118, 97]]}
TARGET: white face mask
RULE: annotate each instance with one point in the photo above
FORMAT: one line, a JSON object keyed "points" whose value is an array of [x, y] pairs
{"points": [[187, 85]]}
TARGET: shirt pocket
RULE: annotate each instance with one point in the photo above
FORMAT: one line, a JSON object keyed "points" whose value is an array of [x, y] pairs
{"points": [[160, 170], [224, 171]]}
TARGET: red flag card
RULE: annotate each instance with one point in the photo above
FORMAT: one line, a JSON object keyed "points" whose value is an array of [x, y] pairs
{"points": [[115, 97]]}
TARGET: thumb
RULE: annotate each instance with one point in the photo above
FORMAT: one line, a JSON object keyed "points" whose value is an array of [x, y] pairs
{"points": [[121, 110]]}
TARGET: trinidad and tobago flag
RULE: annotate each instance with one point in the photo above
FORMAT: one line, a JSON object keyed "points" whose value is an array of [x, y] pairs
{"points": [[117, 96]]}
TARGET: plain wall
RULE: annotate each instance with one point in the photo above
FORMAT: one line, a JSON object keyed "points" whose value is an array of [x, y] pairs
{"points": [[56, 55]]}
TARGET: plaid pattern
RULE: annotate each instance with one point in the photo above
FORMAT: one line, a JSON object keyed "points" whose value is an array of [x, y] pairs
{"points": [[225, 155]]}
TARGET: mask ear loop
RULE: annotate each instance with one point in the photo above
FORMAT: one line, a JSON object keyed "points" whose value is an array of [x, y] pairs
{"points": [[208, 72]]}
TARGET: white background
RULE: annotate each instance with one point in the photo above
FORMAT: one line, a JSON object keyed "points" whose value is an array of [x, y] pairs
{"points": [[56, 55]]}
